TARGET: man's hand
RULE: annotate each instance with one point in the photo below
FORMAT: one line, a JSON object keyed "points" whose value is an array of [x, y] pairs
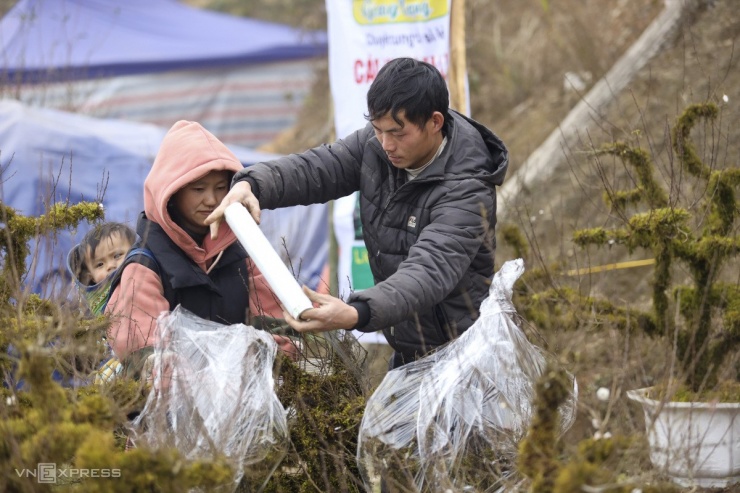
{"points": [[331, 314], [241, 192]]}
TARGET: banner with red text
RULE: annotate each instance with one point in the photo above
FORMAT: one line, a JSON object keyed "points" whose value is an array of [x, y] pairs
{"points": [[363, 36]]}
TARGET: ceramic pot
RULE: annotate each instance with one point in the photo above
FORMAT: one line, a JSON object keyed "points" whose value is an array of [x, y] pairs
{"points": [[695, 443]]}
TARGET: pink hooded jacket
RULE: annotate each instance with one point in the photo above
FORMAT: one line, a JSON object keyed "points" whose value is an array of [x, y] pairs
{"points": [[188, 152]]}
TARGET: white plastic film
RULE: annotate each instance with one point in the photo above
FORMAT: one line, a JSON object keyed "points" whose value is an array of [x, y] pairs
{"points": [[276, 273], [457, 415], [213, 395]]}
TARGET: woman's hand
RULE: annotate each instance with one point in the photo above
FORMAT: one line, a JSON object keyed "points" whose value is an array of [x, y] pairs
{"points": [[287, 346], [241, 192], [159, 369]]}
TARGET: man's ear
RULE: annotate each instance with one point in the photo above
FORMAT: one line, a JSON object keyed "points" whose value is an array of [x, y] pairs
{"points": [[438, 120]]}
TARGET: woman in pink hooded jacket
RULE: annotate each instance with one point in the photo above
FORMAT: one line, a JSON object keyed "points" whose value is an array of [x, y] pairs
{"points": [[213, 279]]}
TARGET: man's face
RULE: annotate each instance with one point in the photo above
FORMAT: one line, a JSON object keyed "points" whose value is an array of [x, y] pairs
{"points": [[109, 254], [196, 200], [407, 145]]}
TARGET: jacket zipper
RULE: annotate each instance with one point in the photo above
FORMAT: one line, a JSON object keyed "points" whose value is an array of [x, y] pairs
{"points": [[381, 155]]}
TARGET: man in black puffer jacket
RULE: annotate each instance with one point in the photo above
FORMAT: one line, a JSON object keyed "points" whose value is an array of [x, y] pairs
{"points": [[426, 176]]}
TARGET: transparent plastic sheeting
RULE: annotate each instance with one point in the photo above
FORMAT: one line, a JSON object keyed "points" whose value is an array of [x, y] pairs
{"points": [[475, 395], [213, 395]]}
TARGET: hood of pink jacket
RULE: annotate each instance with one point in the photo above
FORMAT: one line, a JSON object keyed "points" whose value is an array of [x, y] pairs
{"points": [[187, 153]]}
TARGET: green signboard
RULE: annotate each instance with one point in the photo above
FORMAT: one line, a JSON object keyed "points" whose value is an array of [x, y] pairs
{"points": [[362, 278]]}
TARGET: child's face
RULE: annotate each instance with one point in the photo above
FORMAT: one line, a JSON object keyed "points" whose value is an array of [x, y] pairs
{"points": [[196, 200], [109, 254]]}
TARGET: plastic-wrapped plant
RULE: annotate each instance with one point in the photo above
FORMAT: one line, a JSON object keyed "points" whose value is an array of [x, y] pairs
{"points": [[76, 434], [453, 420]]}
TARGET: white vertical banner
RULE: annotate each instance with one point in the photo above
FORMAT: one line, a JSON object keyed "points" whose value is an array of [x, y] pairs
{"points": [[363, 36]]}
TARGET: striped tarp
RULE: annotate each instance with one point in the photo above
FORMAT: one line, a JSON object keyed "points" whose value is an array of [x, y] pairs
{"points": [[245, 105]]}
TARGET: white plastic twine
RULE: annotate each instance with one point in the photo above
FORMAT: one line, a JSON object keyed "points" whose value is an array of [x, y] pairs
{"points": [[267, 260]]}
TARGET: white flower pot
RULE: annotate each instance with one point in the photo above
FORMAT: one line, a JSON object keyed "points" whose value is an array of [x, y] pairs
{"points": [[695, 443]]}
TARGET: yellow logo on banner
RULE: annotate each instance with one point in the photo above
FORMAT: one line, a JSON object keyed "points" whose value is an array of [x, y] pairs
{"points": [[368, 12]]}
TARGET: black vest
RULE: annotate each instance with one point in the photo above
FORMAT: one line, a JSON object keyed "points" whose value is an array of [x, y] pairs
{"points": [[220, 296]]}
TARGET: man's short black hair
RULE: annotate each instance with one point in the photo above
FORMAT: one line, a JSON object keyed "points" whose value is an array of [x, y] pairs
{"points": [[411, 86]]}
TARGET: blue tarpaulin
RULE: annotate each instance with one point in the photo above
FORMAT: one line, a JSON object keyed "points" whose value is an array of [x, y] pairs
{"points": [[134, 61], [49, 156], [45, 40]]}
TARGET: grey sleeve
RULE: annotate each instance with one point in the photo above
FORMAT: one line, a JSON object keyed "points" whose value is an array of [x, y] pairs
{"points": [[317, 175]]}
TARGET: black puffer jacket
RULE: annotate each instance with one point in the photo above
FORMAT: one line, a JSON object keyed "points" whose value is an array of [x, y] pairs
{"points": [[430, 240]]}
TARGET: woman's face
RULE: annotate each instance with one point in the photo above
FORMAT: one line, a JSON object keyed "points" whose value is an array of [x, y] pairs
{"points": [[196, 200]]}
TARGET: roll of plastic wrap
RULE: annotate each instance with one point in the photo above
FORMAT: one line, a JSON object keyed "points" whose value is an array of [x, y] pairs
{"points": [[267, 260]]}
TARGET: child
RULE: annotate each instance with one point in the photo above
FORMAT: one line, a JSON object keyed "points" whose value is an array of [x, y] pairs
{"points": [[214, 279], [93, 261], [93, 264]]}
